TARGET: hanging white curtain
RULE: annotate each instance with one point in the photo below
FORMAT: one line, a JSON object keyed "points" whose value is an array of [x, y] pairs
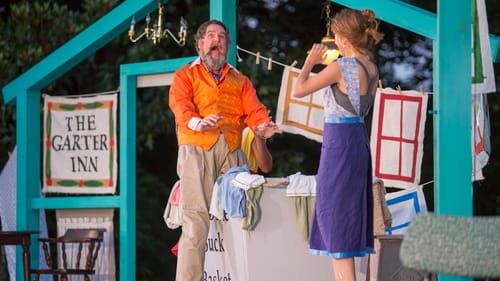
{"points": [[92, 218]]}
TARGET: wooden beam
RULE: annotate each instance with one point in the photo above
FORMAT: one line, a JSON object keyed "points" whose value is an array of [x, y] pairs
{"points": [[416, 20]]}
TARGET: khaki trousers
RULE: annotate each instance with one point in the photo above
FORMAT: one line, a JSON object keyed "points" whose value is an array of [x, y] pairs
{"points": [[198, 170]]}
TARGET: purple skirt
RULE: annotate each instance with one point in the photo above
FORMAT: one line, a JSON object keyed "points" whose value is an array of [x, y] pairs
{"points": [[343, 215]]}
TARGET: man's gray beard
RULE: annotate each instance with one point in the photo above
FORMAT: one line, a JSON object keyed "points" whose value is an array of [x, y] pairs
{"points": [[214, 64]]}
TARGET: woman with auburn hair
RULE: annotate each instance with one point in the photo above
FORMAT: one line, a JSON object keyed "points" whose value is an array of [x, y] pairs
{"points": [[343, 217]]}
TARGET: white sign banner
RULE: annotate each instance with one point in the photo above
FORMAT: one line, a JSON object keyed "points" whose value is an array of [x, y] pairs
{"points": [[404, 205], [483, 76], [80, 144], [303, 116], [225, 251], [397, 136]]}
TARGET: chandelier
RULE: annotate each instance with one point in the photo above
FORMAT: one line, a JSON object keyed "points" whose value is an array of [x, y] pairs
{"points": [[157, 31], [329, 40]]}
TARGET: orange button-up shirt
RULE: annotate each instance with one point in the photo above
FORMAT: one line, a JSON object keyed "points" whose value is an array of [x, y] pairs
{"points": [[195, 93]]}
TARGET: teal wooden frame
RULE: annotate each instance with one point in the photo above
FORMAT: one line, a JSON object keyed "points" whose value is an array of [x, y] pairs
{"points": [[127, 173], [452, 132]]}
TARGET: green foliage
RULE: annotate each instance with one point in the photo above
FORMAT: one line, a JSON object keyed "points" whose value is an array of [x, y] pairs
{"points": [[154, 115], [7, 130], [50, 25], [35, 29], [154, 239]]}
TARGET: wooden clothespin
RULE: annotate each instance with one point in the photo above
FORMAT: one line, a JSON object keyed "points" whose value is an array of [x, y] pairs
{"points": [[380, 89], [422, 89], [398, 88], [294, 63], [257, 58], [269, 63]]}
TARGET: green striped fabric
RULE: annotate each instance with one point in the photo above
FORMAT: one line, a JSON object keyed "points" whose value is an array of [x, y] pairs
{"points": [[453, 245]]}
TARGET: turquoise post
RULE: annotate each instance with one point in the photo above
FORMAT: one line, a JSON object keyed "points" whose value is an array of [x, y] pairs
{"points": [[28, 169], [127, 176], [225, 11], [452, 102], [127, 167]]}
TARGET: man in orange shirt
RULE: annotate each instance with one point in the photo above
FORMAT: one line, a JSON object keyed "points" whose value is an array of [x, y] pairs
{"points": [[211, 101]]}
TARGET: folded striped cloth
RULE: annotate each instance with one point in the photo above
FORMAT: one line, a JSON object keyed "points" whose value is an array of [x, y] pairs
{"points": [[301, 185], [246, 180]]}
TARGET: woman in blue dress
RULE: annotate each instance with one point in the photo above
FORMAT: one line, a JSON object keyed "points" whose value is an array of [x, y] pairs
{"points": [[343, 217]]}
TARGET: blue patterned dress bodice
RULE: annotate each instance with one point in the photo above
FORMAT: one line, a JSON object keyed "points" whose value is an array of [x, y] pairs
{"points": [[349, 69]]}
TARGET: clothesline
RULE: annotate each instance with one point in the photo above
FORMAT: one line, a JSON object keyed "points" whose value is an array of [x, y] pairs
{"points": [[88, 94], [429, 182], [270, 61], [257, 56]]}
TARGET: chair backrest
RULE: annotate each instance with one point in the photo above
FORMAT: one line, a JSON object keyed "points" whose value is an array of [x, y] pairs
{"points": [[77, 252], [79, 239], [453, 245], [78, 234]]}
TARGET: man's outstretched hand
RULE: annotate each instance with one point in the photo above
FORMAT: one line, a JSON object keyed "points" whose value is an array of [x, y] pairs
{"points": [[266, 130], [208, 122]]}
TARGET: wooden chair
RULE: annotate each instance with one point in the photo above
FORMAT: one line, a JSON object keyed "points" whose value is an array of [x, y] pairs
{"points": [[70, 248], [22, 238]]}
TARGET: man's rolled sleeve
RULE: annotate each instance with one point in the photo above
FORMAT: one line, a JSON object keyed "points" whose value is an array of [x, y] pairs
{"points": [[181, 99], [256, 111]]}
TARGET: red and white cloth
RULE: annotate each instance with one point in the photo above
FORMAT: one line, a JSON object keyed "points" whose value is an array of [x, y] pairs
{"points": [[397, 136]]}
